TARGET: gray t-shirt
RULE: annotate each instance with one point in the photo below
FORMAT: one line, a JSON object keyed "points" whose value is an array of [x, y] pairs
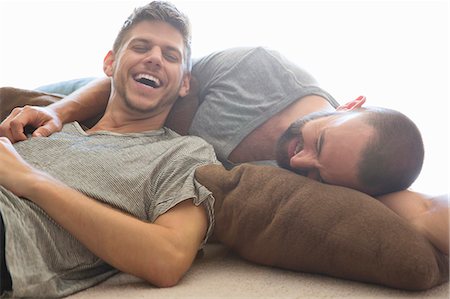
{"points": [[240, 89], [143, 174]]}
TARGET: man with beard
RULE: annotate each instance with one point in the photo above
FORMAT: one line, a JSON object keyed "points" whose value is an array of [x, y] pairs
{"points": [[355, 148]]}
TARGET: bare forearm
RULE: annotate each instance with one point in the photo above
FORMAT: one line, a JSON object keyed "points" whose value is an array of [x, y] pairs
{"points": [[428, 214], [129, 244], [85, 103], [159, 252], [434, 223]]}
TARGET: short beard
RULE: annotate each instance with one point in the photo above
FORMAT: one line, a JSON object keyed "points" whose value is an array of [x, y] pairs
{"points": [[295, 132]]}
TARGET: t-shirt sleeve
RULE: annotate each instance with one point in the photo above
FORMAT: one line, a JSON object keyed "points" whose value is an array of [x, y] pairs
{"points": [[176, 181]]}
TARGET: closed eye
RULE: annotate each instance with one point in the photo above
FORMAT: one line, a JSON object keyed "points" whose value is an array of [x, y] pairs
{"points": [[171, 57], [140, 49], [139, 46], [319, 147], [320, 142]]}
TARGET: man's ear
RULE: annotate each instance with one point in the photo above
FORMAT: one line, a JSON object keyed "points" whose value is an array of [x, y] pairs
{"points": [[108, 64], [353, 104], [185, 85]]}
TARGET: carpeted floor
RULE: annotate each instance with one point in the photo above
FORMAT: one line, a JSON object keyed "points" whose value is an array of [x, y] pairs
{"points": [[220, 274]]}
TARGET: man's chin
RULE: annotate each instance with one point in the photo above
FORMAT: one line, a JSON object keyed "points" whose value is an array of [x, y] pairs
{"points": [[284, 163], [282, 160], [281, 153]]}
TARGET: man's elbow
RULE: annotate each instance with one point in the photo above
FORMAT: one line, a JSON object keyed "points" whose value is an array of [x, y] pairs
{"points": [[169, 270], [166, 280]]}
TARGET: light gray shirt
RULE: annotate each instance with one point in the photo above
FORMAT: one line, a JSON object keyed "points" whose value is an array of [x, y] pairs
{"points": [[143, 174]]}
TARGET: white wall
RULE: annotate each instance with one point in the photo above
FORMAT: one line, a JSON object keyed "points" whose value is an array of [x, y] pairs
{"points": [[393, 52]]}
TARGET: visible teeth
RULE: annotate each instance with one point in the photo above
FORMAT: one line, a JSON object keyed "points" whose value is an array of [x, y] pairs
{"points": [[297, 148], [148, 80]]}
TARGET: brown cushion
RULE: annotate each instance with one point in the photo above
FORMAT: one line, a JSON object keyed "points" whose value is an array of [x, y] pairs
{"points": [[14, 97], [274, 217], [11, 97]]}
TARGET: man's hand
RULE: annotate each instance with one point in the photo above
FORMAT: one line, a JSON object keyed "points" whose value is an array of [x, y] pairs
{"points": [[45, 120], [15, 173]]}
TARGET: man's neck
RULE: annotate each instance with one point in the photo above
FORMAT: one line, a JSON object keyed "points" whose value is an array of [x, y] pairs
{"points": [[124, 123], [120, 118]]}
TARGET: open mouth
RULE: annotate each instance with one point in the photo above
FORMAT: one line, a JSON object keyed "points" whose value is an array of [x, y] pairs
{"points": [[293, 148], [148, 80]]}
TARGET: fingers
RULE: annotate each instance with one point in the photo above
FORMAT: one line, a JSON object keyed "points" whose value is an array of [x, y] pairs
{"points": [[13, 127], [46, 130], [17, 128], [357, 103], [5, 127]]}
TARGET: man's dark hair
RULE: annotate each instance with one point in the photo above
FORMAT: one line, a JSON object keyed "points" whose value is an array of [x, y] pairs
{"points": [[394, 157], [164, 12]]}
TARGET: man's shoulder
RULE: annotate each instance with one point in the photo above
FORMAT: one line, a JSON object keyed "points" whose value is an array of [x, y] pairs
{"points": [[191, 147], [195, 143], [185, 138]]}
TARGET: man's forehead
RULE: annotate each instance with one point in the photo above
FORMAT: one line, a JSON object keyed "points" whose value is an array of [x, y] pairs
{"points": [[337, 119], [148, 30], [344, 117], [311, 117]]}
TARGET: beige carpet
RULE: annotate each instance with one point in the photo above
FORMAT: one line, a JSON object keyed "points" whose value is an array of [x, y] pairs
{"points": [[220, 274]]}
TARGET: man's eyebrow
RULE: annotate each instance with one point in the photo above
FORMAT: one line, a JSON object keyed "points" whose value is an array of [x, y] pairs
{"points": [[139, 40]]}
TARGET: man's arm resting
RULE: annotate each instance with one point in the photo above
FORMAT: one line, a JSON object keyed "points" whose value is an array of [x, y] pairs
{"points": [[84, 103], [428, 214], [159, 252]]}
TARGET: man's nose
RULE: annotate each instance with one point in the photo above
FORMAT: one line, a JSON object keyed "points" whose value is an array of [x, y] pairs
{"points": [[305, 163], [304, 159], [154, 56]]}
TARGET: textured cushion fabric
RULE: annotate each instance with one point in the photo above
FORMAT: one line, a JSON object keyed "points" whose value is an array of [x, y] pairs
{"points": [[14, 97], [274, 217], [11, 97]]}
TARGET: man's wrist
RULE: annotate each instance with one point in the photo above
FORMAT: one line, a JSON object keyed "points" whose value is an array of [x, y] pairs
{"points": [[61, 111], [35, 184]]}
